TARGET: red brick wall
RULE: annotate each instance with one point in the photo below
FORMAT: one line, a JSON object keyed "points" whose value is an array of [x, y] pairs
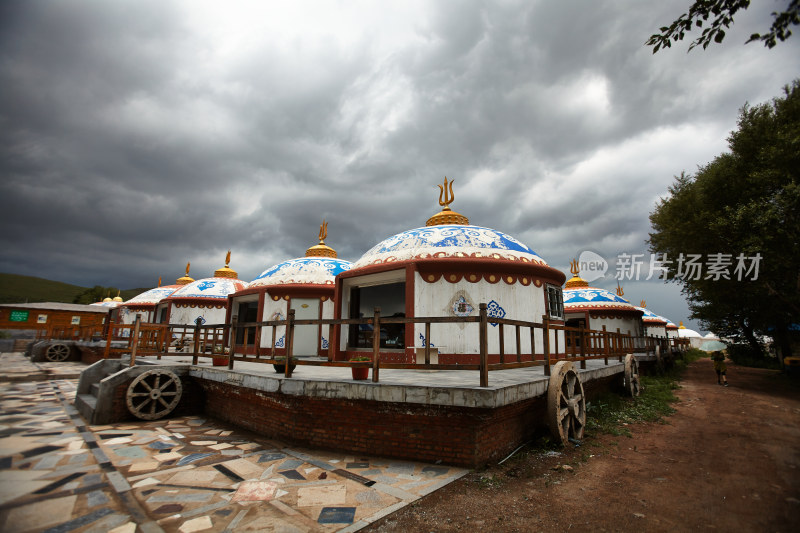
{"points": [[455, 435]]}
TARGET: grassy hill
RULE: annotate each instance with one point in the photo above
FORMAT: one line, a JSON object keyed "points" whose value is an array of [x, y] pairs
{"points": [[18, 289]]}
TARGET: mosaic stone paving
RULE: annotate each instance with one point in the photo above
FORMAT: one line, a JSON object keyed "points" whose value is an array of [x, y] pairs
{"points": [[183, 474]]}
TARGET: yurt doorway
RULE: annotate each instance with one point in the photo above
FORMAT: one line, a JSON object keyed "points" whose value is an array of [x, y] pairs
{"points": [[306, 337]]}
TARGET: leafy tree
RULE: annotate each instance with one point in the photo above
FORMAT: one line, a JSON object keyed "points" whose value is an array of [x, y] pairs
{"points": [[721, 13], [744, 202], [95, 294]]}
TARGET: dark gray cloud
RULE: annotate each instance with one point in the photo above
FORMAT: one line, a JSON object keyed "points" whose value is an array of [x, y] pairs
{"points": [[137, 136]]}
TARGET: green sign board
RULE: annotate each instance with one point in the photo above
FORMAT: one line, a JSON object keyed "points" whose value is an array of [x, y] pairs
{"points": [[18, 316]]}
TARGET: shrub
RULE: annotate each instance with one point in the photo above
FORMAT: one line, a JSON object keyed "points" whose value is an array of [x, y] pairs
{"points": [[745, 355]]}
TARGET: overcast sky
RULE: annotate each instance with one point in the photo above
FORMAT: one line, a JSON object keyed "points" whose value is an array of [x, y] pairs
{"points": [[136, 136]]}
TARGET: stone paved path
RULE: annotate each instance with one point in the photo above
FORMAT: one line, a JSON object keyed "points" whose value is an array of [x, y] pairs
{"points": [[182, 474]]}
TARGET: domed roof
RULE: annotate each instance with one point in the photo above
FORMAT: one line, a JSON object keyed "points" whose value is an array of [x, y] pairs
{"points": [[216, 288], [449, 241], [683, 331], [579, 296], [594, 298], [303, 270], [108, 302], [650, 317], [153, 296]]}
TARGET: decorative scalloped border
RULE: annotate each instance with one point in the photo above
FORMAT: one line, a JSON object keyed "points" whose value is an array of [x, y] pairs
{"points": [[475, 277]]}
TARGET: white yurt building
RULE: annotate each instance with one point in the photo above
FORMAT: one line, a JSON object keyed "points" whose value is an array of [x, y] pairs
{"points": [[447, 268], [204, 299], [654, 325], [594, 308], [144, 304], [305, 284], [695, 339]]}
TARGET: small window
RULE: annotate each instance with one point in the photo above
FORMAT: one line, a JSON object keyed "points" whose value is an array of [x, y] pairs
{"points": [[76, 320], [41, 319], [555, 302]]}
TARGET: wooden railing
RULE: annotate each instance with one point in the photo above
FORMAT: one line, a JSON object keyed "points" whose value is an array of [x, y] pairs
{"points": [[218, 341]]}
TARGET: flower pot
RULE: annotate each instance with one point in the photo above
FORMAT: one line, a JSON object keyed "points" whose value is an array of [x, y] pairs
{"points": [[219, 361], [281, 368], [361, 372]]}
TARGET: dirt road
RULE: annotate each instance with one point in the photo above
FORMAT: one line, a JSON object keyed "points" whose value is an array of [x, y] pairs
{"points": [[728, 460]]}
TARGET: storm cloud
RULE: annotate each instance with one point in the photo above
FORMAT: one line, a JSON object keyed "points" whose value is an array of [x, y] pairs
{"points": [[137, 136]]}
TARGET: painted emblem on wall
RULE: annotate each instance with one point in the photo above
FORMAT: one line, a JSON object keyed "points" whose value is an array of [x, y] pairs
{"points": [[200, 320], [279, 343], [493, 310], [324, 343], [277, 315], [460, 305], [422, 339]]}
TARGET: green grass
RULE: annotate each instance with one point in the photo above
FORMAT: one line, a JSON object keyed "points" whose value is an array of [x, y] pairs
{"points": [[15, 288], [612, 413]]}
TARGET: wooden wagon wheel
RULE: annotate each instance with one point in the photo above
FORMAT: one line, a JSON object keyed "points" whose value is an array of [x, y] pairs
{"points": [[57, 352], [154, 394], [566, 403], [632, 385]]}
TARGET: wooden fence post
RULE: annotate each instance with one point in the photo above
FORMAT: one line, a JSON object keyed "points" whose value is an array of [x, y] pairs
{"points": [[376, 344], [135, 339], [109, 338], [232, 340], [287, 370], [484, 342], [582, 341], [546, 339], [196, 343], [605, 345]]}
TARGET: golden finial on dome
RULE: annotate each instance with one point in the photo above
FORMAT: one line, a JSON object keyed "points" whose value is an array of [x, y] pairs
{"points": [[643, 303], [159, 281], [447, 215], [681, 326], [117, 298], [575, 282], [226, 272], [322, 249], [620, 292], [185, 280], [108, 297]]}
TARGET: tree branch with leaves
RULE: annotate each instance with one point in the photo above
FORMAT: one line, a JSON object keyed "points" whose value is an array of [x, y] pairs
{"points": [[716, 16]]}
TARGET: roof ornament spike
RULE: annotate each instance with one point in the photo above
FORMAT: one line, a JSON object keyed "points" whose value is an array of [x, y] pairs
{"points": [[448, 198], [620, 292], [322, 249], [159, 281], [323, 232], [574, 268], [226, 271], [447, 215], [643, 303], [185, 279]]}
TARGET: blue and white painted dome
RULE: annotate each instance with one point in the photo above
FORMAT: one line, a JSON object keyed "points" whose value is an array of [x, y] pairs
{"points": [[216, 288], [153, 296], [450, 240], [651, 317], [303, 270], [593, 298]]}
